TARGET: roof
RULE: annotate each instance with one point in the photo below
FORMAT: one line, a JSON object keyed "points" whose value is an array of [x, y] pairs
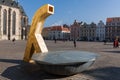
{"points": [[13, 3], [60, 28], [113, 19], [109, 19], [46, 28], [22, 10], [57, 28], [76, 24]]}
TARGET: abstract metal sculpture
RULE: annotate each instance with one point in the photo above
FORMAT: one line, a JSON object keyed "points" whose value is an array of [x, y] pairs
{"points": [[59, 62], [35, 43]]}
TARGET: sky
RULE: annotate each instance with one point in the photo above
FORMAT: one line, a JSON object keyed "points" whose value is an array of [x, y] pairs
{"points": [[66, 11]]}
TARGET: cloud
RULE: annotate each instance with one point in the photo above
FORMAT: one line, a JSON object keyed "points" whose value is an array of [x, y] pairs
{"points": [[58, 23], [69, 12]]}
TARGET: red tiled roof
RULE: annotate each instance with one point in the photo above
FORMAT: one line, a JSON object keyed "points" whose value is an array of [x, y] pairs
{"points": [[59, 28], [113, 19], [109, 19], [56, 28]]}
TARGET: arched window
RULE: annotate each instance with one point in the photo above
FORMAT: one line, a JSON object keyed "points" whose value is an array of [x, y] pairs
{"points": [[0, 20], [14, 23], [24, 21], [4, 22]]}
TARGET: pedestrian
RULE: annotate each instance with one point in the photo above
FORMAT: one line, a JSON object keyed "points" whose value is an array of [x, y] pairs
{"points": [[74, 42], [13, 40], [55, 40], [105, 42], [116, 43]]}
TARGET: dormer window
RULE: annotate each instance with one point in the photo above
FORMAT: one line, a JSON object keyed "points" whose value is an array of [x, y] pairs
{"points": [[12, 4], [3, 1]]}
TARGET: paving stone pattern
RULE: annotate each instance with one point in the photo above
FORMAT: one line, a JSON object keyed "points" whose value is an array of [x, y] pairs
{"points": [[12, 67]]}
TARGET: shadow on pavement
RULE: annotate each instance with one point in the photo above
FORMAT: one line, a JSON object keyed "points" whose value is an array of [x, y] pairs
{"points": [[108, 44], [26, 71], [112, 51], [11, 61], [107, 73]]}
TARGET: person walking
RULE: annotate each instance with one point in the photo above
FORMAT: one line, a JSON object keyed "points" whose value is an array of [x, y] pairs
{"points": [[13, 40], [105, 42], [74, 42], [55, 40], [116, 43]]}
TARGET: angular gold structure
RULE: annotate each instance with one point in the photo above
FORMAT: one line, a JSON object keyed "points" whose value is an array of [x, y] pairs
{"points": [[57, 62], [35, 43]]}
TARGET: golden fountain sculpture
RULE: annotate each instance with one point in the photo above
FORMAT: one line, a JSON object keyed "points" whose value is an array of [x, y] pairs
{"points": [[35, 43], [57, 62]]}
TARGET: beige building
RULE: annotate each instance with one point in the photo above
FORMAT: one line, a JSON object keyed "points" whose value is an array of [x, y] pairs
{"points": [[75, 30], [85, 32], [88, 32], [13, 21], [112, 28]]}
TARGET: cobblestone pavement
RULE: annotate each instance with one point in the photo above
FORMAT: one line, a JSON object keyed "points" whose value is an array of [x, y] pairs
{"points": [[106, 67]]}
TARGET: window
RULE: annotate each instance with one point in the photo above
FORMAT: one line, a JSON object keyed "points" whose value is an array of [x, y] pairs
{"points": [[118, 24], [24, 21], [4, 22], [113, 24], [12, 4], [3, 1], [0, 19], [14, 23]]}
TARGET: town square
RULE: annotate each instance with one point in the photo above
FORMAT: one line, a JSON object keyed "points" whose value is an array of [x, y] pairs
{"points": [[106, 66], [53, 40]]}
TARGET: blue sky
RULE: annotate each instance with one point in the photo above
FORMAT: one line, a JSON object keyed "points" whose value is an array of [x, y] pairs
{"points": [[66, 11]]}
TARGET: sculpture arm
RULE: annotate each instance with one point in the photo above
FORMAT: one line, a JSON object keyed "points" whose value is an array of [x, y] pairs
{"points": [[35, 41]]}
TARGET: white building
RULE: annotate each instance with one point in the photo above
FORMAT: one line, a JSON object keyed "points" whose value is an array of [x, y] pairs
{"points": [[13, 20], [59, 32], [100, 31]]}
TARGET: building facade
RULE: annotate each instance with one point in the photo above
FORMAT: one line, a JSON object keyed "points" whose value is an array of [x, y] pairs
{"points": [[13, 21], [112, 28], [45, 32], [75, 30], [56, 32], [88, 32], [100, 31]]}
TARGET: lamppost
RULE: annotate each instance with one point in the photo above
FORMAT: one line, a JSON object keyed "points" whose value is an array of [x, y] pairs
{"points": [[24, 33]]}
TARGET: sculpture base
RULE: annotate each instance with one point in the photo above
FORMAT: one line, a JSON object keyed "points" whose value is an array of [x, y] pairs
{"points": [[65, 62]]}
